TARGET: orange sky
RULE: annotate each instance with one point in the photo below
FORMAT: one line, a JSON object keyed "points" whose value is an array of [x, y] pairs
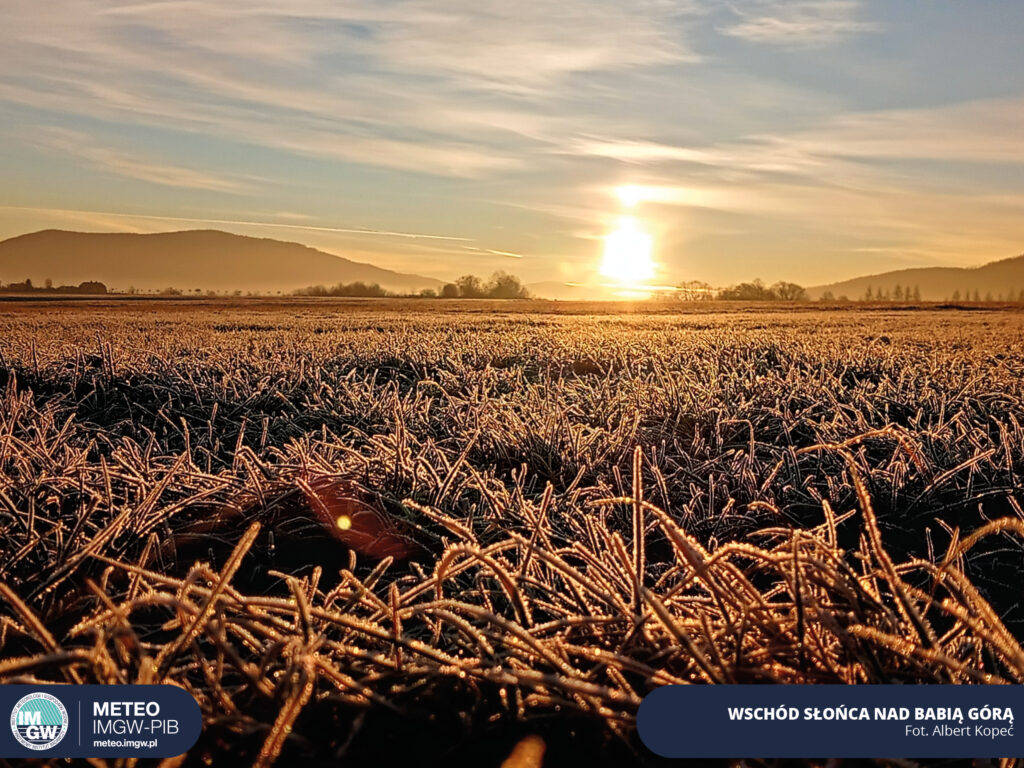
{"points": [[807, 141]]}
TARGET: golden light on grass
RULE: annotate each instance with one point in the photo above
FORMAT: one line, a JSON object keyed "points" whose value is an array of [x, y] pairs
{"points": [[788, 543], [627, 253]]}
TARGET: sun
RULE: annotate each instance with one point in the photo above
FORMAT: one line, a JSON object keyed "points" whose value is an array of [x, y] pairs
{"points": [[627, 253]]}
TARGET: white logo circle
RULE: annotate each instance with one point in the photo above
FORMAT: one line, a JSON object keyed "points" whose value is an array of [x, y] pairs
{"points": [[39, 721]]}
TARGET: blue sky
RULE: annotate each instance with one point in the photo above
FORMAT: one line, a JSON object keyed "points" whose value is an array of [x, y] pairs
{"points": [[809, 141]]}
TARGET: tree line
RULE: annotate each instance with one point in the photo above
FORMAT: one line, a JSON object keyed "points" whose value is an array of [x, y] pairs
{"points": [[91, 287], [913, 293], [899, 293], [500, 286], [695, 290], [988, 297], [756, 290]]}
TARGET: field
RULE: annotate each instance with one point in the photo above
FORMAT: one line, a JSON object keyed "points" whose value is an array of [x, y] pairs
{"points": [[577, 503]]}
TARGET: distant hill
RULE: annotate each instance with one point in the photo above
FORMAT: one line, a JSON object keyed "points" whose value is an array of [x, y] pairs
{"points": [[205, 259], [998, 278]]}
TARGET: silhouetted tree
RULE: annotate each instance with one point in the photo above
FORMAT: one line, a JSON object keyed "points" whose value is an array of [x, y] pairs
{"points": [[506, 286], [470, 287], [788, 291], [351, 290], [450, 291], [694, 290], [755, 291]]}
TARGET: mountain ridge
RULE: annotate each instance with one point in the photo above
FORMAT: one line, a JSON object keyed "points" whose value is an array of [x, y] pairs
{"points": [[1003, 276], [207, 259]]}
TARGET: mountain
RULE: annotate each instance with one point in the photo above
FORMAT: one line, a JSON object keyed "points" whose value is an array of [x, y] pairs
{"points": [[998, 278], [206, 259]]}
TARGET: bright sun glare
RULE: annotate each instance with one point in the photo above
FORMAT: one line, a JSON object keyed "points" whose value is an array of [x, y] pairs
{"points": [[630, 195], [627, 253]]}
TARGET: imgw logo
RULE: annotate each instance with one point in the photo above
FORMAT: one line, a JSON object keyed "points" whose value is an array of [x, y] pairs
{"points": [[39, 721]]}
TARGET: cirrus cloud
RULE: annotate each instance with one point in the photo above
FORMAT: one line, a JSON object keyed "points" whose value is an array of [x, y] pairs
{"points": [[797, 23]]}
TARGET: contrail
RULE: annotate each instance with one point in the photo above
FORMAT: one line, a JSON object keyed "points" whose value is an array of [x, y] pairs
{"points": [[493, 252], [308, 227]]}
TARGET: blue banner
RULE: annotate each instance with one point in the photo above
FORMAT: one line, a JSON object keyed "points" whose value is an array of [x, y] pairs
{"points": [[826, 721], [97, 721]]}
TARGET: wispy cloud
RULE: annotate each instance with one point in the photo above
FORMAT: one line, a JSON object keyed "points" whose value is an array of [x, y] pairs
{"points": [[797, 22], [987, 131], [455, 88], [756, 154], [245, 223], [847, 148], [134, 165]]}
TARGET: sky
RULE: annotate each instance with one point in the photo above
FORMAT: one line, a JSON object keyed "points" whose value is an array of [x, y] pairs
{"points": [[807, 140]]}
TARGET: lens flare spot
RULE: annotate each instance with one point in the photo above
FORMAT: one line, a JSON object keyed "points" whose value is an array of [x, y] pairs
{"points": [[344, 522]]}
